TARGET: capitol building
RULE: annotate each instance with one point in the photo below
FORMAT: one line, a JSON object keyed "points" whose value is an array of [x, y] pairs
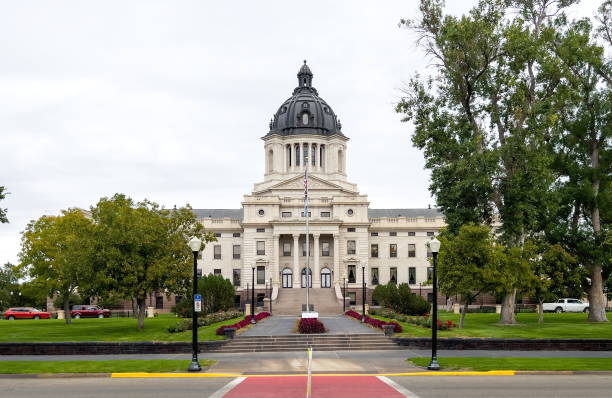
{"points": [[265, 240]]}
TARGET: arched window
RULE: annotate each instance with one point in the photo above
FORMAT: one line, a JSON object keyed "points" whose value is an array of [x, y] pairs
{"points": [[305, 146], [297, 154], [340, 161], [288, 147], [270, 161], [314, 155], [305, 118], [321, 155]]}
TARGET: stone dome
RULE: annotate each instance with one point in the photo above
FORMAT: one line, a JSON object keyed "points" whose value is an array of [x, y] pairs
{"points": [[305, 112]]}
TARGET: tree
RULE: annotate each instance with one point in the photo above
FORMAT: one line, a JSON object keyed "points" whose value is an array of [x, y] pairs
{"points": [[3, 218], [217, 295], [55, 252], [141, 248], [483, 120], [556, 274], [584, 158], [8, 285], [463, 263]]}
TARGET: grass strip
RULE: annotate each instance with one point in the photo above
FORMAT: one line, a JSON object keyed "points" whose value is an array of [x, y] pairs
{"points": [[517, 363], [111, 366]]}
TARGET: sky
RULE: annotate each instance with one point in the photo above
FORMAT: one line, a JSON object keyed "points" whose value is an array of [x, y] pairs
{"points": [[168, 100]]}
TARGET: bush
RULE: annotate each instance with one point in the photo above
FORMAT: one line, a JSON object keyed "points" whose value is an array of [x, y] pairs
{"points": [[374, 322], [400, 299], [310, 326], [217, 295], [185, 324], [245, 322]]}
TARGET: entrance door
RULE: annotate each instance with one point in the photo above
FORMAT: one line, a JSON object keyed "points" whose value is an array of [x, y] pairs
{"points": [[287, 278], [304, 278], [325, 277]]}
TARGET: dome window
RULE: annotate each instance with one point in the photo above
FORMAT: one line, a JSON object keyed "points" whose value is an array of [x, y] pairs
{"points": [[261, 212], [305, 105], [305, 118]]}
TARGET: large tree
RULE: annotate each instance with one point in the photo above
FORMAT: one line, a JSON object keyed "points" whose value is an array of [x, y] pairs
{"points": [[56, 252], [483, 119], [141, 248], [8, 285]]}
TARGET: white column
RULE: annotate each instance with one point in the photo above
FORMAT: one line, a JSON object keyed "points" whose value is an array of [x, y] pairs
{"points": [[276, 267], [337, 276], [317, 271], [296, 260]]}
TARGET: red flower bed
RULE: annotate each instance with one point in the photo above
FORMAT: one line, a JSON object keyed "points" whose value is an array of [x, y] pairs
{"points": [[377, 323], [310, 326], [246, 321]]}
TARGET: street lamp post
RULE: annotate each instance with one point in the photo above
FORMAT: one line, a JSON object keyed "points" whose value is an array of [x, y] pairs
{"points": [[253, 321], [194, 244], [270, 296], [434, 246], [363, 295]]}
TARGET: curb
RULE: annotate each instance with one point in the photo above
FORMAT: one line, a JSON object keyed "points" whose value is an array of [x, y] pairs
{"points": [[51, 375]]}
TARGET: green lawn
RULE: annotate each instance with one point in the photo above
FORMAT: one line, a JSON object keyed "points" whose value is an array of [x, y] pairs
{"points": [[555, 326], [160, 365], [509, 363], [108, 329]]}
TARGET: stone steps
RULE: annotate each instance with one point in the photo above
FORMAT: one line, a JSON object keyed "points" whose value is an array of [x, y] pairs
{"points": [[289, 301], [341, 342]]}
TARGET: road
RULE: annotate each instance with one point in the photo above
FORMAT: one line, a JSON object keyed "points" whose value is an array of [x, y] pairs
{"points": [[523, 386]]}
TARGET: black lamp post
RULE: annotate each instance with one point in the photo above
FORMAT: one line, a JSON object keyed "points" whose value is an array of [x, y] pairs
{"points": [[363, 296], [253, 321], [344, 298], [270, 296], [194, 244], [434, 246]]}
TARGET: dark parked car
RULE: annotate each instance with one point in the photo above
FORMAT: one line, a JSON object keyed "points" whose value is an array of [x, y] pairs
{"points": [[89, 311], [25, 313]]}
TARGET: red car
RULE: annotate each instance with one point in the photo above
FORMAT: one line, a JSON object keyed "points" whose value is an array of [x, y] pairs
{"points": [[89, 311], [25, 313]]}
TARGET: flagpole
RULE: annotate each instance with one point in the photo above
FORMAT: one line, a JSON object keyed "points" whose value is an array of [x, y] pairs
{"points": [[308, 275]]}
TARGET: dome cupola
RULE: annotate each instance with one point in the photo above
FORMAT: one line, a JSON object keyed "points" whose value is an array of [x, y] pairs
{"points": [[305, 112]]}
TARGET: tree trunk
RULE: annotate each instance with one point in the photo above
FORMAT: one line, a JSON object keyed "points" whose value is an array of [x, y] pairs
{"points": [[597, 302], [541, 311], [141, 304], [507, 311], [462, 317], [67, 316]]}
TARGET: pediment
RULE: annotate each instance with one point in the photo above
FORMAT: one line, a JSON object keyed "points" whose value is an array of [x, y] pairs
{"points": [[297, 184]]}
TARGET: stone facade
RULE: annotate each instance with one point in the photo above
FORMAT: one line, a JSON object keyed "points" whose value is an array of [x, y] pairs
{"points": [[347, 239]]}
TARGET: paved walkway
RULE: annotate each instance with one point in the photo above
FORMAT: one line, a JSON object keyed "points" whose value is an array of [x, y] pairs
{"points": [[285, 325]]}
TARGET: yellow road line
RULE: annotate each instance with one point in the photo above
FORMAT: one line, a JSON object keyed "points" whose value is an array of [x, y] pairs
{"points": [[225, 375]]}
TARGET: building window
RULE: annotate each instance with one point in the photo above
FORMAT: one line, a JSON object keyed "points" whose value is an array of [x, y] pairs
{"points": [[261, 247], [217, 271], [393, 275], [430, 234], [286, 214], [374, 276], [217, 252], [297, 154], [304, 249], [236, 252], [236, 235], [392, 233], [325, 249], [411, 250], [411, 233], [261, 212], [217, 234], [350, 230], [236, 277], [429, 275], [374, 234], [428, 251], [286, 249], [350, 212], [351, 247], [411, 275], [325, 214], [261, 275], [351, 273], [199, 272], [374, 250], [260, 299], [159, 302], [393, 250], [430, 297], [352, 298], [261, 230], [178, 299], [309, 214]]}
